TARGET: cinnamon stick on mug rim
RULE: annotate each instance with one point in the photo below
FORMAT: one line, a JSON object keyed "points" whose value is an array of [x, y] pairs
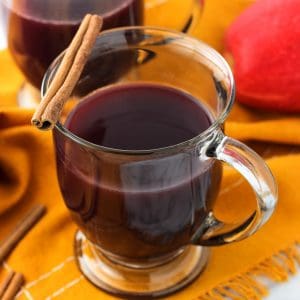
{"points": [[68, 73], [20, 230]]}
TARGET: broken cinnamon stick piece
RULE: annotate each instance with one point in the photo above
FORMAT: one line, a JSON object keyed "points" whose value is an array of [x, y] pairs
{"points": [[13, 287], [20, 230], [68, 73], [4, 285]]}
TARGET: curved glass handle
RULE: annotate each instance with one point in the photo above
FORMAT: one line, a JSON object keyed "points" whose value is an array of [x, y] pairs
{"points": [[258, 175]]}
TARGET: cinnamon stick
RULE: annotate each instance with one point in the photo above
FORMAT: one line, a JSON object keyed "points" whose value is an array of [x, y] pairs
{"points": [[20, 230], [13, 287], [68, 73], [4, 285]]}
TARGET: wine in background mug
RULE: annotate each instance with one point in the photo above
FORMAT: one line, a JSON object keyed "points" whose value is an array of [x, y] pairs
{"points": [[39, 30], [139, 161]]}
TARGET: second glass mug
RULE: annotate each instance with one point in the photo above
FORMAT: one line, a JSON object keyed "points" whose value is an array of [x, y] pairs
{"points": [[39, 30], [146, 216]]}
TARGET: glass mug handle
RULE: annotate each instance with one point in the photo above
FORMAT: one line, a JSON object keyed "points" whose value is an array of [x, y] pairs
{"points": [[257, 173]]}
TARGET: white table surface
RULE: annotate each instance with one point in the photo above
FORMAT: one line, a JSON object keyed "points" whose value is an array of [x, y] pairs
{"points": [[284, 291]]}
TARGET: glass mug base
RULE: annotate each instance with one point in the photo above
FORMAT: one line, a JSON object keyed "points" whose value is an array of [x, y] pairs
{"points": [[156, 280]]}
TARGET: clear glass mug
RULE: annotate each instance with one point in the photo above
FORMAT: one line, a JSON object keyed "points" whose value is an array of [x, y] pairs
{"points": [[146, 217], [39, 30]]}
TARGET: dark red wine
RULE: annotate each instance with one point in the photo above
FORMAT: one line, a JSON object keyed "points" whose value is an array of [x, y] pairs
{"points": [[40, 30], [137, 206], [138, 117]]}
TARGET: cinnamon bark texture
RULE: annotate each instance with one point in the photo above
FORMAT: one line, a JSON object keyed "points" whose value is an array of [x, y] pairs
{"points": [[14, 287], [68, 73], [5, 283]]}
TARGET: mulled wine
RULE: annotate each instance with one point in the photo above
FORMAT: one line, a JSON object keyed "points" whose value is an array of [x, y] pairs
{"points": [[134, 207], [40, 30]]}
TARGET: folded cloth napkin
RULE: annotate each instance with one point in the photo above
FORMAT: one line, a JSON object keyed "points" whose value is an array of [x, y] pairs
{"points": [[45, 256]]}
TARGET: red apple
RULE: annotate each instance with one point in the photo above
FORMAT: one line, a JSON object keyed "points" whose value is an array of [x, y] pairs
{"points": [[264, 43]]}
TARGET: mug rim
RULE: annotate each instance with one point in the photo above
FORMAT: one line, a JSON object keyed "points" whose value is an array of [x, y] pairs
{"points": [[202, 136]]}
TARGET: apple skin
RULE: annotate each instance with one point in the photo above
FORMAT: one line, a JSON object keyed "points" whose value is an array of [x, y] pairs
{"points": [[264, 44]]}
